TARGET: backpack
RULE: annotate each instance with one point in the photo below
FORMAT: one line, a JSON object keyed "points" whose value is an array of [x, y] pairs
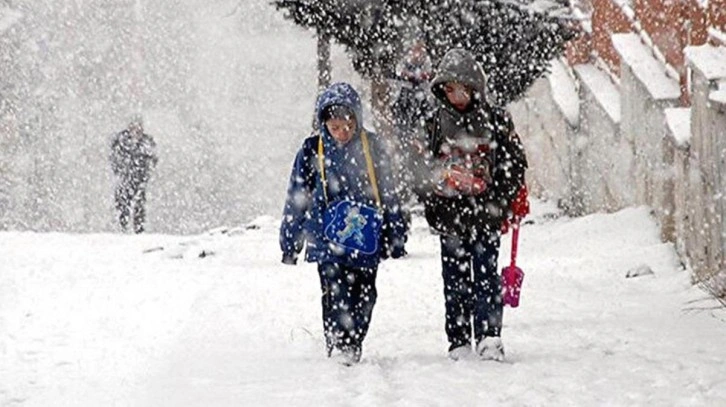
{"points": [[352, 229]]}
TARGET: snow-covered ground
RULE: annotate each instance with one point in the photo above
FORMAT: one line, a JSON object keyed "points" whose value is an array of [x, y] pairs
{"points": [[106, 320]]}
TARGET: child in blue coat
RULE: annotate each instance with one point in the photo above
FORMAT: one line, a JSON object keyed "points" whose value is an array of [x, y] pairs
{"points": [[341, 205]]}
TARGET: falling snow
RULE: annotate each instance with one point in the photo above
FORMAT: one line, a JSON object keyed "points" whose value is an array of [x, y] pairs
{"points": [[198, 310]]}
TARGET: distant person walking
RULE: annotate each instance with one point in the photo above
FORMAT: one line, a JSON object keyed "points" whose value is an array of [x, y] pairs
{"points": [[133, 155], [413, 104], [410, 111]]}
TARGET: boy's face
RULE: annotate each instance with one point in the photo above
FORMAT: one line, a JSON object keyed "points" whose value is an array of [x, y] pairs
{"points": [[458, 94], [418, 51], [342, 129]]}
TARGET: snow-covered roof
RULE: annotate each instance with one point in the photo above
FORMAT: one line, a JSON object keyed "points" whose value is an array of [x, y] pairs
{"points": [[717, 34], [710, 60], [8, 17], [646, 67], [585, 19], [678, 121], [626, 7], [564, 92], [604, 90]]}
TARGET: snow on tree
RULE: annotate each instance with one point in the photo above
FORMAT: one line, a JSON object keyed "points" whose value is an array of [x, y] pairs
{"points": [[368, 29], [514, 40], [514, 43]]}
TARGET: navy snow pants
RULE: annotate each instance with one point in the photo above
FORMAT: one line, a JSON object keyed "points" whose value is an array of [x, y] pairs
{"points": [[349, 295], [472, 288]]}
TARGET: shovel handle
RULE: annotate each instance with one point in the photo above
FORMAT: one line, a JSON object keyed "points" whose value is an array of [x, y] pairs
{"points": [[515, 242]]}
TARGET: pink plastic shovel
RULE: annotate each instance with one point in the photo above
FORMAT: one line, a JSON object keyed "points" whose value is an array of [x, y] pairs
{"points": [[512, 275]]}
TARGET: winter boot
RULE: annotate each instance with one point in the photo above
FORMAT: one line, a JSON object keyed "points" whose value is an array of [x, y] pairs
{"points": [[460, 352], [348, 356], [490, 348]]}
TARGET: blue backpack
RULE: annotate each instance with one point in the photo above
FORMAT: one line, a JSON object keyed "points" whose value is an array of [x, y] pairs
{"points": [[352, 229]]}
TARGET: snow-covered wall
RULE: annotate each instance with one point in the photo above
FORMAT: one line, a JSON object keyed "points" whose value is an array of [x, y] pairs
{"points": [[634, 145], [707, 158], [569, 122], [606, 158], [675, 227], [646, 92], [556, 137]]}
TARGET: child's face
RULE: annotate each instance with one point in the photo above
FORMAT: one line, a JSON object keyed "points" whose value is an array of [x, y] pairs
{"points": [[459, 95], [342, 130], [418, 51]]}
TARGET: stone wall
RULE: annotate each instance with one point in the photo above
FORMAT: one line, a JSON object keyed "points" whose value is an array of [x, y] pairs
{"points": [[706, 159], [632, 143]]}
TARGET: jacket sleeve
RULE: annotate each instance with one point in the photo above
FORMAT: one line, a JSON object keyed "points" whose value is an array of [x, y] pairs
{"points": [[509, 170], [297, 206]]}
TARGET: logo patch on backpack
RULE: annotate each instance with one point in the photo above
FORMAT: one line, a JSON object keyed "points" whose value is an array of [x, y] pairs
{"points": [[353, 227], [354, 224]]}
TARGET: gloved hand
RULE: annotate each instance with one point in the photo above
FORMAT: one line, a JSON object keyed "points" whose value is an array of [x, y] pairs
{"points": [[398, 252], [519, 207], [456, 180], [289, 259]]}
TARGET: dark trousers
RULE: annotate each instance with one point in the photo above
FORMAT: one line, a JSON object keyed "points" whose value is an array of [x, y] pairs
{"points": [[349, 295], [130, 201], [472, 288]]}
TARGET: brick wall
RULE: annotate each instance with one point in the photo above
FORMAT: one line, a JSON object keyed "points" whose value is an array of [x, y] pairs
{"points": [[717, 14], [608, 19], [579, 50], [671, 26]]}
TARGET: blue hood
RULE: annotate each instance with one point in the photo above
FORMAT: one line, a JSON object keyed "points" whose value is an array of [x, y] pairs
{"points": [[343, 94]]}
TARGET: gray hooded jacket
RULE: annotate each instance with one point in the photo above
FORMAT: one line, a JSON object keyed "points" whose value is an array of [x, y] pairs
{"points": [[482, 130]]}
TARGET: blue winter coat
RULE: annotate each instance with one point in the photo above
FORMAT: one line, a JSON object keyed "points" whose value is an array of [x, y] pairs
{"points": [[347, 178]]}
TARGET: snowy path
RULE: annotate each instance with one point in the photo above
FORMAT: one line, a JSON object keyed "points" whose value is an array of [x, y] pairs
{"points": [[93, 320]]}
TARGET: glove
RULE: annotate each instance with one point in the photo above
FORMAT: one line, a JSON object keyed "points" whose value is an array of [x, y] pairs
{"points": [[520, 205], [519, 208], [465, 182], [456, 180], [398, 252], [289, 259]]}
